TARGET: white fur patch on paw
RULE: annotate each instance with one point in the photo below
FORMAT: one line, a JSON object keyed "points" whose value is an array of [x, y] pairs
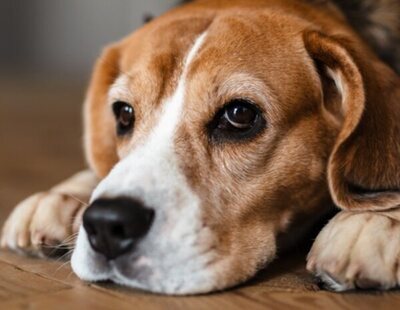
{"points": [[358, 251]]}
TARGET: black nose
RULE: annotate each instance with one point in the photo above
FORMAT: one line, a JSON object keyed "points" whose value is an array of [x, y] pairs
{"points": [[114, 226]]}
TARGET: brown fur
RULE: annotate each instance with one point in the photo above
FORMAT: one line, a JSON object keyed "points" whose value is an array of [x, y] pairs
{"points": [[323, 141], [371, 159], [283, 170]]}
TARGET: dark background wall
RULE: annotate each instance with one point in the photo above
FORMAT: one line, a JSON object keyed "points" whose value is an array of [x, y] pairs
{"points": [[64, 37], [47, 50]]}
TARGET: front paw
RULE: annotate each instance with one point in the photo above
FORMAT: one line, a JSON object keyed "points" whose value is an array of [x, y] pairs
{"points": [[43, 224], [358, 250]]}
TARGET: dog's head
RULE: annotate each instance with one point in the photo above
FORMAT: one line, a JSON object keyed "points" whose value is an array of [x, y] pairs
{"points": [[214, 129]]}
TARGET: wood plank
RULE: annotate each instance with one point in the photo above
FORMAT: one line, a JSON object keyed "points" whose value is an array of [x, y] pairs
{"points": [[97, 297], [142, 300], [54, 269], [76, 298], [323, 299], [16, 283]]}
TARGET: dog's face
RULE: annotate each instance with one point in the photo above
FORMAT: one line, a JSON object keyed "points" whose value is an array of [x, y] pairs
{"points": [[217, 139]]}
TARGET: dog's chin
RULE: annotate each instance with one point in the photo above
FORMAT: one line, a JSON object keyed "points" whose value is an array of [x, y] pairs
{"points": [[195, 283], [194, 274]]}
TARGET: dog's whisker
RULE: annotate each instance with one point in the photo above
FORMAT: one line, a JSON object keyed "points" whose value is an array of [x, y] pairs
{"points": [[61, 267], [65, 256], [62, 258], [58, 247], [71, 237], [61, 245], [69, 275], [78, 200]]}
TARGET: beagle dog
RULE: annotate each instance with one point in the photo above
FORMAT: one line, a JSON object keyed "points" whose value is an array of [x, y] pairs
{"points": [[220, 133]]}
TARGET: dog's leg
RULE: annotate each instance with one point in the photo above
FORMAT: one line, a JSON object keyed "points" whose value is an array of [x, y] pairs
{"points": [[46, 222], [358, 250]]}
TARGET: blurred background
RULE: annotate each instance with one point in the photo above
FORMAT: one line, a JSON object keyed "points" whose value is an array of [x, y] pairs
{"points": [[62, 37], [47, 50]]}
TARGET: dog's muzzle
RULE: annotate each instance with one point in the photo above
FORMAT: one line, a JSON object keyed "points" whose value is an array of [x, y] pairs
{"points": [[115, 226]]}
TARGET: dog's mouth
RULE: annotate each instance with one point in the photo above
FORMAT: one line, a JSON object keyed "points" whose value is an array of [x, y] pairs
{"points": [[176, 279], [130, 273], [157, 264]]}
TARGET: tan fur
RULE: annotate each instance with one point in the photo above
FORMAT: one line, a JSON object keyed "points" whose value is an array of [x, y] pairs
{"points": [[320, 143], [363, 251], [43, 221]]}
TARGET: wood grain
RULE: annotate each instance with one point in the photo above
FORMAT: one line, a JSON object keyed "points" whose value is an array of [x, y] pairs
{"points": [[16, 283]]}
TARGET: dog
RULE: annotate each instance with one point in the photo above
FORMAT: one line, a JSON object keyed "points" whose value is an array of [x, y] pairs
{"points": [[220, 133]]}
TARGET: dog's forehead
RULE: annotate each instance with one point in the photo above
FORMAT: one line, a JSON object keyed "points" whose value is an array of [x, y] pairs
{"points": [[258, 48], [152, 59], [242, 48]]}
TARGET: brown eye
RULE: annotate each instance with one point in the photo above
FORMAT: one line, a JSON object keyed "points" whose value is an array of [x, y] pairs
{"points": [[240, 115], [238, 120], [125, 117]]}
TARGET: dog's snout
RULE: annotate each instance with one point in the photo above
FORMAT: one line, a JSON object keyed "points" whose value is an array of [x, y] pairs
{"points": [[114, 226]]}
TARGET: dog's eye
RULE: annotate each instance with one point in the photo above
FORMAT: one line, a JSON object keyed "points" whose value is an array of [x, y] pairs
{"points": [[239, 115], [125, 117], [239, 119]]}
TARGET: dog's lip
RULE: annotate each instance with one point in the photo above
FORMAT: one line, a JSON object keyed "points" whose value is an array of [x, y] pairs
{"points": [[136, 268], [129, 262], [118, 276], [153, 283]]}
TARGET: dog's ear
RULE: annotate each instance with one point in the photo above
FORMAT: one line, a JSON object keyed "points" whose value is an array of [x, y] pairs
{"points": [[99, 125], [364, 166]]}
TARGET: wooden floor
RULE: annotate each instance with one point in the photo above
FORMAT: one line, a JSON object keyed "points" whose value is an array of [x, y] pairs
{"points": [[40, 144]]}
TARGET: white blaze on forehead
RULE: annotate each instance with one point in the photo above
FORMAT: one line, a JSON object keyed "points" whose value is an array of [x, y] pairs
{"points": [[120, 91], [173, 107], [162, 134]]}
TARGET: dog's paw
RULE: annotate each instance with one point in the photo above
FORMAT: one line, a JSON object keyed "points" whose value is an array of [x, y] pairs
{"points": [[43, 224], [358, 251]]}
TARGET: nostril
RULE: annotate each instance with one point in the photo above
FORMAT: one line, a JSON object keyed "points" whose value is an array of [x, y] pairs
{"points": [[118, 231], [150, 216], [90, 230]]}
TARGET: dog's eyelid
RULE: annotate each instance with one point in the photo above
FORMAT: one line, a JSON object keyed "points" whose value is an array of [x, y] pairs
{"points": [[113, 99], [259, 104], [252, 88], [237, 120], [120, 91]]}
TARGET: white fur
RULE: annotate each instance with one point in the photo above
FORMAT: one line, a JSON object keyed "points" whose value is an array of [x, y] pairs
{"points": [[119, 90], [173, 255]]}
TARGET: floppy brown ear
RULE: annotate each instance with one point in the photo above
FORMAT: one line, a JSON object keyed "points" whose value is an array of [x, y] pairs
{"points": [[99, 137], [364, 166]]}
